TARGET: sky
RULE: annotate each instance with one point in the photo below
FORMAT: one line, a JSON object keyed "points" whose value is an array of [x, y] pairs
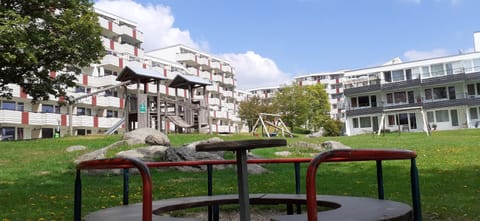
{"points": [[269, 42]]}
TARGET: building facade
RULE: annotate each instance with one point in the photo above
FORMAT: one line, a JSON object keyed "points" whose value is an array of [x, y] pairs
{"points": [[432, 94]]}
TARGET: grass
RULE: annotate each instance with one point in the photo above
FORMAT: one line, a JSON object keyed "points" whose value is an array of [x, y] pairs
{"points": [[37, 177]]}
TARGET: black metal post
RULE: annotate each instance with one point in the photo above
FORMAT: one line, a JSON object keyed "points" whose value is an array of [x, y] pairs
{"points": [[297, 185], [381, 194], [414, 179], [77, 212], [126, 188]]}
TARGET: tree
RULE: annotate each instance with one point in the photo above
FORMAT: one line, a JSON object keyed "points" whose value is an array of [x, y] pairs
{"points": [[37, 37], [293, 104], [319, 106], [249, 110]]}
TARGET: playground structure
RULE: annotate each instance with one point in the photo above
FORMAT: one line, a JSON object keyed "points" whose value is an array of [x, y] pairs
{"points": [[339, 207], [271, 124], [159, 111]]}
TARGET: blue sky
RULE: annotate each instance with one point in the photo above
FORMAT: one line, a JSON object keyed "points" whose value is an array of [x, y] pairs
{"points": [[270, 41]]}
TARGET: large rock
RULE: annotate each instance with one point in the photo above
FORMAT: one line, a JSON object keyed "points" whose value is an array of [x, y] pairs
{"points": [[334, 145], [75, 148], [187, 154], [211, 140], [95, 155], [155, 137], [148, 154]]}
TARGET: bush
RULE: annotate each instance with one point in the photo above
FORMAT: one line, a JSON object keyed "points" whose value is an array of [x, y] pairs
{"points": [[299, 130], [332, 128]]}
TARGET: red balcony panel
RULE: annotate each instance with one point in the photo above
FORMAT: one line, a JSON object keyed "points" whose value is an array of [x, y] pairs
{"points": [[94, 100], [112, 44], [144, 66], [22, 93], [135, 51], [120, 62], [338, 90], [337, 80], [146, 87], [25, 117], [63, 120], [110, 25], [134, 33], [95, 121], [122, 102], [85, 79], [184, 93], [164, 72]]}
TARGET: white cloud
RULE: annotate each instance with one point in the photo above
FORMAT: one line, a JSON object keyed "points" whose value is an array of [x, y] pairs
{"points": [[154, 20], [413, 55], [254, 71]]}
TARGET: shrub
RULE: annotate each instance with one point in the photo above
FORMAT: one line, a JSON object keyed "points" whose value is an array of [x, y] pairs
{"points": [[332, 128], [299, 130]]}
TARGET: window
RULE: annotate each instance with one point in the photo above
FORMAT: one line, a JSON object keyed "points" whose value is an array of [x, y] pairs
{"points": [[411, 98], [425, 72], [387, 76], [403, 118], [20, 106], [400, 97], [8, 105], [80, 111], [389, 98], [408, 74], [110, 113], [451, 93], [88, 112], [391, 120], [449, 68], [416, 72], [473, 113], [355, 122], [354, 101], [439, 93], [365, 122], [430, 117], [8, 133], [373, 100], [478, 88], [442, 116], [476, 64], [471, 89], [48, 108], [428, 94], [398, 75], [47, 132], [79, 89], [437, 70], [363, 101]]}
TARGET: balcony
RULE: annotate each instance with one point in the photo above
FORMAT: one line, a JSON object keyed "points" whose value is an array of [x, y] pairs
{"points": [[472, 76], [364, 111], [228, 81], [443, 79], [217, 78], [108, 101], [205, 75], [110, 61], [82, 121], [216, 65], [107, 122], [401, 84], [361, 87], [228, 93], [50, 119], [205, 63], [10, 117], [227, 68], [222, 128], [102, 81], [214, 101], [187, 58]]}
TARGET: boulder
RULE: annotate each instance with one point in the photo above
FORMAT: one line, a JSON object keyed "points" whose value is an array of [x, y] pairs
{"points": [[256, 169], [158, 138], [148, 154], [316, 134], [283, 153], [211, 140], [187, 154], [95, 155], [75, 148], [334, 145]]}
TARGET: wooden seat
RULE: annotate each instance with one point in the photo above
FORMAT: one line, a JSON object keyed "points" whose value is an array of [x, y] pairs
{"points": [[342, 208]]}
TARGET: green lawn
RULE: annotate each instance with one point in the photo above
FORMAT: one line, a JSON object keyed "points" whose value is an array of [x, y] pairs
{"points": [[37, 177]]}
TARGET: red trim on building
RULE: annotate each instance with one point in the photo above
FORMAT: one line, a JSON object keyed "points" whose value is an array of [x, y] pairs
{"points": [[144, 66], [167, 92], [337, 80], [61, 99], [146, 88], [53, 74], [168, 126], [25, 117], [209, 63], [22, 93], [85, 79], [120, 62], [198, 72], [210, 76], [196, 60], [214, 114], [122, 102], [164, 72], [94, 100], [95, 122], [112, 44], [338, 90], [221, 67], [135, 51], [184, 93], [134, 33], [63, 120], [110, 25]]}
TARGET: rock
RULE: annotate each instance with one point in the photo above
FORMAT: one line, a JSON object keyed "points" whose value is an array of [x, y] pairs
{"points": [[187, 154], [75, 148], [256, 169], [95, 155], [316, 134], [134, 141], [142, 133], [303, 144], [211, 140], [334, 145], [283, 153], [149, 154], [157, 139]]}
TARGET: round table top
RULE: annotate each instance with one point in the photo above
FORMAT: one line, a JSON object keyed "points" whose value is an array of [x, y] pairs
{"points": [[241, 145]]}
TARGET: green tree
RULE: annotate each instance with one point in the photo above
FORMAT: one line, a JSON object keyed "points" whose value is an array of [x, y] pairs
{"points": [[249, 110], [293, 104], [37, 37], [319, 106]]}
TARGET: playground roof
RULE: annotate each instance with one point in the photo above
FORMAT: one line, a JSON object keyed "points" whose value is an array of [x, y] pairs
{"points": [[139, 74], [184, 81]]}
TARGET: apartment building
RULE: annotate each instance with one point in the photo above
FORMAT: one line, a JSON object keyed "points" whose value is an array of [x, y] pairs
{"points": [[433, 94], [264, 93], [333, 84], [99, 98]]}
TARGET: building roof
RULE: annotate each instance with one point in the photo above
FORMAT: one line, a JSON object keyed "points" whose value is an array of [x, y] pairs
{"points": [[140, 74], [188, 81]]}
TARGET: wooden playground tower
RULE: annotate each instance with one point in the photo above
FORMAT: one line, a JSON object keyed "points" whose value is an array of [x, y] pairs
{"points": [[159, 111], [269, 121]]}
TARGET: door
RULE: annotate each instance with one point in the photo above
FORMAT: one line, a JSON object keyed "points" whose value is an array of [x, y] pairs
{"points": [[413, 121], [375, 123], [454, 117]]}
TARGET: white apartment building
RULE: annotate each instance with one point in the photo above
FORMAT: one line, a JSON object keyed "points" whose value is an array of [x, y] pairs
{"points": [[265, 93], [440, 93], [102, 103], [333, 84]]}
